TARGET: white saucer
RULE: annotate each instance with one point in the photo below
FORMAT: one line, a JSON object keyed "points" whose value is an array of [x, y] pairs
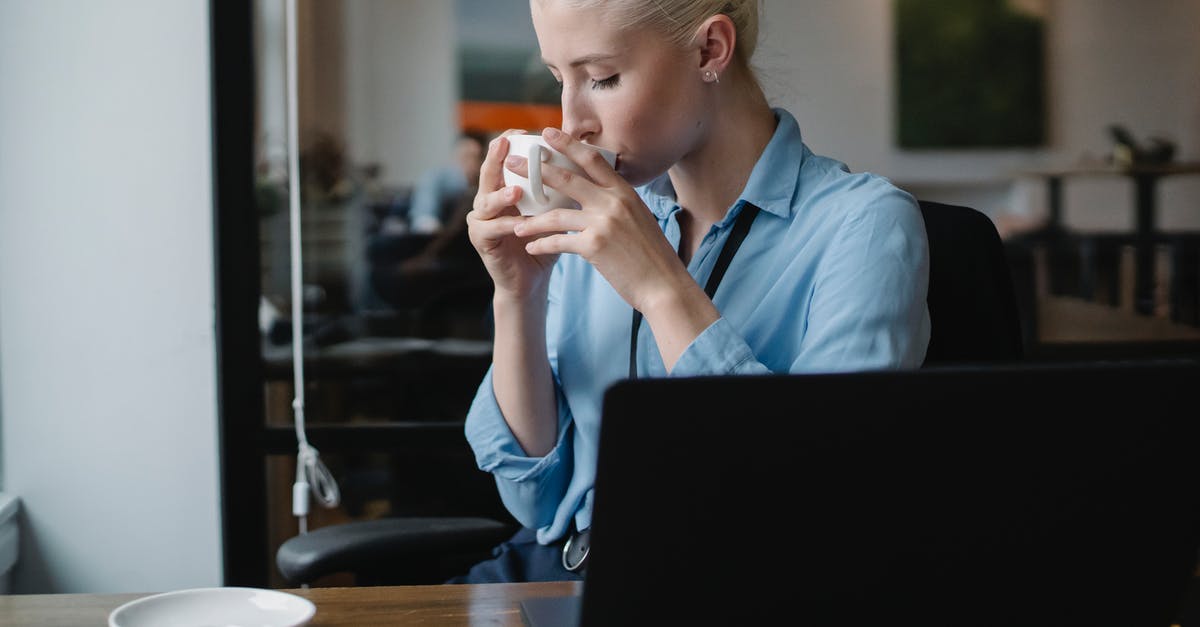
{"points": [[203, 607]]}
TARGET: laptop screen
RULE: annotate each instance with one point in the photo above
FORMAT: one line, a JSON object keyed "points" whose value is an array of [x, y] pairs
{"points": [[1063, 494]]}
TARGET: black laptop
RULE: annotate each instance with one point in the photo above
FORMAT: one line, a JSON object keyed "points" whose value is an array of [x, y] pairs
{"points": [[1064, 494]]}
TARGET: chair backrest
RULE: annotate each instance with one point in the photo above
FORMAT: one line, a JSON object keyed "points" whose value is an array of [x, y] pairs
{"points": [[972, 302]]}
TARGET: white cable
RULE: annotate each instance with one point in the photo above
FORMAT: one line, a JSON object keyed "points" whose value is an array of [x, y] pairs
{"points": [[311, 475]]}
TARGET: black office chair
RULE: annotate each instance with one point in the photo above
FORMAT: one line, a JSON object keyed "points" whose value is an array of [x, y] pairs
{"points": [[972, 301], [391, 551], [441, 527], [975, 320]]}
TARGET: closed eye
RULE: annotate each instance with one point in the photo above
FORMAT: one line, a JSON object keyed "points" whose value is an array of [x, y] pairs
{"points": [[607, 83]]}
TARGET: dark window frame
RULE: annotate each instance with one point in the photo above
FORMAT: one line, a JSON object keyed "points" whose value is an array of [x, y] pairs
{"points": [[235, 251]]}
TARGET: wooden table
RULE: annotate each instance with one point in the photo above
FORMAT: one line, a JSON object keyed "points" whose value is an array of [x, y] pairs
{"points": [[487, 604], [1145, 179], [1068, 320]]}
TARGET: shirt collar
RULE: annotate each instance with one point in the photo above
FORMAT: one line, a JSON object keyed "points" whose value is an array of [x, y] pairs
{"points": [[772, 183]]}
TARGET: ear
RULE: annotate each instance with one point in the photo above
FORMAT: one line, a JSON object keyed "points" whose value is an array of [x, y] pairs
{"points": [[716, 39]]}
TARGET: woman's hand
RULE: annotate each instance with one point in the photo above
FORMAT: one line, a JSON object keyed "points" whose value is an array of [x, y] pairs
{"points": [[614, 231], [516, 273]]}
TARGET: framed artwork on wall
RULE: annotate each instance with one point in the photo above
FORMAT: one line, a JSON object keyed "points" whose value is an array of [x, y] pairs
{"points": [[970, 73]]}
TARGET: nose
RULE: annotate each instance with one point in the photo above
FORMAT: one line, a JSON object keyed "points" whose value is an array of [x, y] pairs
{"points": [[579, 118]]}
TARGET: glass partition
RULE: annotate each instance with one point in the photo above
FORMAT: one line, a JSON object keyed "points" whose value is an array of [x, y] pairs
{"points": [[397, 100]]}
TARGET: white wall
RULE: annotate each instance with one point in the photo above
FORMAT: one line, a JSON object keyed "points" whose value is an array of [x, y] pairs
{"points": [[401, 84], [830, 62], [106, 294]]}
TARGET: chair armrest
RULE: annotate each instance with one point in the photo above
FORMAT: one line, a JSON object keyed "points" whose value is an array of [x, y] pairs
{"points": [[375, 544]]}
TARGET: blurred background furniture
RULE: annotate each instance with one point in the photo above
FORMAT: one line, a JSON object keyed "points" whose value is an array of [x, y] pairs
{"points": [[1145, 237], [1077, 294]]}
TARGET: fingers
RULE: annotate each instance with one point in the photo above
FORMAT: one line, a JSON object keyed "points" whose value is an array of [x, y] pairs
{"points": [[557, 231], [488, 205], [588, 158], [486, 234], [518, 165], [491, 176], [493, 228], [553, 244], [553, 221], [565, 181], [570, 183]]}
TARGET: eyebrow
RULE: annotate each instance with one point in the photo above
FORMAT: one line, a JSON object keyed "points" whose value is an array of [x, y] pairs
{"points": [[585, 60]]}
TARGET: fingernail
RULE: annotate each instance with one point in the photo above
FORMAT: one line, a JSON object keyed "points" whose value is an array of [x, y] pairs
{"points": [[512, 161], [519, 229], [510, 193], [551, 133]]}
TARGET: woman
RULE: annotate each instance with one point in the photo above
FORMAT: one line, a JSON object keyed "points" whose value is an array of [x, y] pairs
{"points": [[831, 275]]}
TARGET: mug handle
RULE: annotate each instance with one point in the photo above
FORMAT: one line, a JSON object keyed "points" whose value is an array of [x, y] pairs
{"points": [[536, 154]]}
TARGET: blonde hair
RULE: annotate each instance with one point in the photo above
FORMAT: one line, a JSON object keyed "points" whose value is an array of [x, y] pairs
{"points": [[679, 19]]}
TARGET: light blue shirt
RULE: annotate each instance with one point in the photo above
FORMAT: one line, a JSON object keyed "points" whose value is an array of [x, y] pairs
{"points": [[832, 277]]}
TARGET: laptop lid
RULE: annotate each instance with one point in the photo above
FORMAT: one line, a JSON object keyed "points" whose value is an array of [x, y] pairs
{"points": [[1052, 494]]}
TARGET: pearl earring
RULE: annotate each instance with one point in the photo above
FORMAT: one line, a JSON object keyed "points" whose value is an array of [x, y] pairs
{"points": [[711, 77]]}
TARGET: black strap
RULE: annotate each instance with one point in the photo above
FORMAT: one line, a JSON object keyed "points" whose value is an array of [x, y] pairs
{"points": [[740, 228]]}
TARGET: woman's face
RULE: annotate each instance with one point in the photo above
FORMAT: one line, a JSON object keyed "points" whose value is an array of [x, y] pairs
{"points": [[628, 91]]}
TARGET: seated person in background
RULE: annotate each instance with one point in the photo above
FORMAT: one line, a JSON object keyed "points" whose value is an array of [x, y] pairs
{"points": [[434, 263], [832, 275], [437, 193], [446, 266]]}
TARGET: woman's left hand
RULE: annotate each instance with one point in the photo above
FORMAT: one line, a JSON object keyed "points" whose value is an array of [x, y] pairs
{"points": [[614, 231]]}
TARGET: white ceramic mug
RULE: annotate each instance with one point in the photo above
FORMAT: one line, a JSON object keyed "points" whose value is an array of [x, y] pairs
{"points": [[536, 198]]}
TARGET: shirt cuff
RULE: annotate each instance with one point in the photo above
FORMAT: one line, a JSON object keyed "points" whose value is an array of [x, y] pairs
{"points": [[496, 448], [718, 350]]}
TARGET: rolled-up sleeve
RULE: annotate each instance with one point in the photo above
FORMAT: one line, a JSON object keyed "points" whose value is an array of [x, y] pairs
{"points": [[530, 487], [718, 350]]}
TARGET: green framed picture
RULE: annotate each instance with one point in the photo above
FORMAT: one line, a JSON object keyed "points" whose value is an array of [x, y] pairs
{"points": [[970, 73]]}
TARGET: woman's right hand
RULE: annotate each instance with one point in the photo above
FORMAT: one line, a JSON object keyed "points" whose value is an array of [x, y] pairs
{"points": [[516, 273]]}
